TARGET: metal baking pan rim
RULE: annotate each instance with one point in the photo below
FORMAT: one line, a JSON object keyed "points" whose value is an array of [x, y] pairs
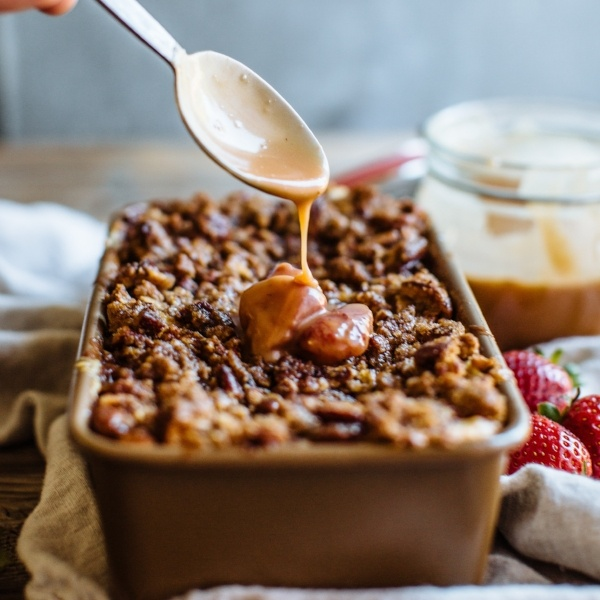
{"points": [[298, 454]]}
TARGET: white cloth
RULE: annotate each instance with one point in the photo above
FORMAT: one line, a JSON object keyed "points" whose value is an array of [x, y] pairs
{"points": [[48, 258]]}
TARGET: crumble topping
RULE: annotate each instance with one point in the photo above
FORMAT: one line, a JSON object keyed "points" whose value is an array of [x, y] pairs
{"points": [[175, 369]]}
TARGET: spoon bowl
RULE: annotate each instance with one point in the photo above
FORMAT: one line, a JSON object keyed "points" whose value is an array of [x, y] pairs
{"points": [[245, 126]]}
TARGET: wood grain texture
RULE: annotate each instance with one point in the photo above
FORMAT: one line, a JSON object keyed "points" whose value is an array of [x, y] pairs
{"points": [[21, 476]]}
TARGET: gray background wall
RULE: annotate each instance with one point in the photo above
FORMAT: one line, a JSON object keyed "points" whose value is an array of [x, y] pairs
{"points": [[343, 64]]}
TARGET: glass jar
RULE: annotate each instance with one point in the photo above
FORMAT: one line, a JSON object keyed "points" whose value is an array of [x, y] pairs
{"points": [[513, 186]]}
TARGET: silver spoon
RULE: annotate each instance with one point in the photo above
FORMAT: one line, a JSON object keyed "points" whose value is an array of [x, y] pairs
{"points": [[237, 118]]}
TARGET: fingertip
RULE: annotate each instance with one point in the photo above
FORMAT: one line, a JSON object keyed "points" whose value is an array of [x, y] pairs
{"points": [[57, 7]]}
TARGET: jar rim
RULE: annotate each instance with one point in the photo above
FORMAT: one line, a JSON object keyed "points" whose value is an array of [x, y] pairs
{"points": [[508, 115], [518, 148]]}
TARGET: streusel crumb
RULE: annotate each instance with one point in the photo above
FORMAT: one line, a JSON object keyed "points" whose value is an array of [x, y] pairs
{"points": [[175, 369]]}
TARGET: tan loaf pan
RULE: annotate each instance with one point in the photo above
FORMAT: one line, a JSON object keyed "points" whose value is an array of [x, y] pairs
{"points": [[362, 515]]}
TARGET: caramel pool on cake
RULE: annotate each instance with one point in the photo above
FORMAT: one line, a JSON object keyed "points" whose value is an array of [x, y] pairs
{"points": [[373, 352]]}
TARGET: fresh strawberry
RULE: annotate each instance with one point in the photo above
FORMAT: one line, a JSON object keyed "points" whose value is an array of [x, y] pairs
{"points": [[583, 419], [542, 379], [552, 445]]}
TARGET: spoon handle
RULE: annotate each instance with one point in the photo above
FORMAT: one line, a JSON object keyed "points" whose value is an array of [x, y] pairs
{"points": [[138, 20]]}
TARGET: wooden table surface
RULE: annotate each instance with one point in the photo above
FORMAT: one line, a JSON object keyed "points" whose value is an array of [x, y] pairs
{"points": [[98, 180]]}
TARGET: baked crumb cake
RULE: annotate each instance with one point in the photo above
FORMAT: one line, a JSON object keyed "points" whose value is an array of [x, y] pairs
{"points": [[176, 369]]}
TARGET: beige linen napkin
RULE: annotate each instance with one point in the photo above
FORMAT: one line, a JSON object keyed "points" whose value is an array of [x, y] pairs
{"points": [[48, 259], [546, 515]]}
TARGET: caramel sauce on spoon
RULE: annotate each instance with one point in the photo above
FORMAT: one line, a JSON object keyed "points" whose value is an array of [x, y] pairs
{"points": [[243, 124]]}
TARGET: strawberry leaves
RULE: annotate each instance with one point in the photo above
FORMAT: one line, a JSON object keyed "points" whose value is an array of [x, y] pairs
{"points": [[549, 410]]}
